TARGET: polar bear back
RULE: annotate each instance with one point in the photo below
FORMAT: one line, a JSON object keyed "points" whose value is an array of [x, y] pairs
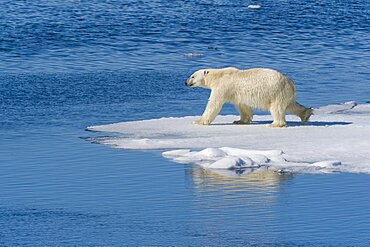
{"points": [[257, 88]]}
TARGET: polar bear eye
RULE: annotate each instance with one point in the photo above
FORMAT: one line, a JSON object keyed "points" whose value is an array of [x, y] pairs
{"points": [[192, 77]]}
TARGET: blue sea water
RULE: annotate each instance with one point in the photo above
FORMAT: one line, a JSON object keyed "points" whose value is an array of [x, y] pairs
{"points": [[66, 65]]}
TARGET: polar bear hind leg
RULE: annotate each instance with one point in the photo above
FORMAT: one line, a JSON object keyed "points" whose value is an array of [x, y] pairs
{"points": [[246, 114], [278, 115]]}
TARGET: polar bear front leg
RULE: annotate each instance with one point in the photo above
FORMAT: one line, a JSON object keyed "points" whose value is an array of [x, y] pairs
{"points": [[278, 116], [246, 114], [214, 105]]}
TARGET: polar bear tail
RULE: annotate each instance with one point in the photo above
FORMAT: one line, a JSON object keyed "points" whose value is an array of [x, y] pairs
{"points": [[302, 112]]}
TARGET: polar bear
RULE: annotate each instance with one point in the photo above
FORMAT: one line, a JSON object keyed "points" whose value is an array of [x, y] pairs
{"points": [[260, 88]]}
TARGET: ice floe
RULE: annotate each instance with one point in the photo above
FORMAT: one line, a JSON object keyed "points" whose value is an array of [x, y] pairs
{"points": [[336, 140], [193, 55], [254, 6]]}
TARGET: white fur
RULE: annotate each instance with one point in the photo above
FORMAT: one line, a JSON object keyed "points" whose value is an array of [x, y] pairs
{"points": [[253, 88]]}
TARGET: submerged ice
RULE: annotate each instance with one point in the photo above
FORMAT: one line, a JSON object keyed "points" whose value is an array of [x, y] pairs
{"points": [[336, 140]]}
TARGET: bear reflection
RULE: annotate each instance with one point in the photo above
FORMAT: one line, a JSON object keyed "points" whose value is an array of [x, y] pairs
{"points": [[256, 184]]}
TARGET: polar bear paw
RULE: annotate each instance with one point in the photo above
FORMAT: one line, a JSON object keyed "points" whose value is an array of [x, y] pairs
{"points": [[276, 125], [201, 122]]}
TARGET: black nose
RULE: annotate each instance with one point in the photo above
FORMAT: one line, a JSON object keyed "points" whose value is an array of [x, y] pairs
{"points": [[186, 83]]}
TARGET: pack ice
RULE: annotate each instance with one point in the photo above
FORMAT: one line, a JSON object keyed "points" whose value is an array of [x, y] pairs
{"points": [[336, 140]]}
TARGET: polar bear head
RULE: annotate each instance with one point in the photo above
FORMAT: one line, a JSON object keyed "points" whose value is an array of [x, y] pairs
{"points": [[197, 79]]}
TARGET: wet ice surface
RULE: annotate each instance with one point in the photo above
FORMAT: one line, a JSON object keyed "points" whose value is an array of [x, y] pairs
{"points": [[336, 140]]}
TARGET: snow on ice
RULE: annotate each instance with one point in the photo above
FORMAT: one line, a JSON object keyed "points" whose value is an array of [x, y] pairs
{"points": [[336, 140]]}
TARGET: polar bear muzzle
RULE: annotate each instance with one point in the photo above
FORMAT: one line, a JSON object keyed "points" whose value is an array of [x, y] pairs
{"points": [[189, 82]]}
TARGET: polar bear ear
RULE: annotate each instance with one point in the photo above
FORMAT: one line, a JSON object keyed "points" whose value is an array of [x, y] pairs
{"points": [[206, 72]]}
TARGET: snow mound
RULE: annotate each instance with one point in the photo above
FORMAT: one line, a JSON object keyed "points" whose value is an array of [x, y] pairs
{"points": [[332, 109], [252, 160], [336, 140]]}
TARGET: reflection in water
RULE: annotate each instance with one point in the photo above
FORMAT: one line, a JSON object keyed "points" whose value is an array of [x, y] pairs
{"points": [[232, 179], [247, 199], [248, 186]]}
